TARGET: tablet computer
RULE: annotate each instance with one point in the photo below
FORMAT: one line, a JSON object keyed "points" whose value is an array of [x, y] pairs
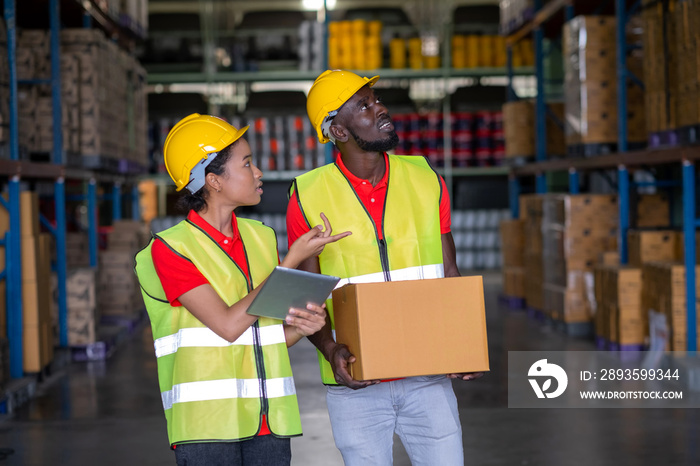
{"points": [[287, 288]]}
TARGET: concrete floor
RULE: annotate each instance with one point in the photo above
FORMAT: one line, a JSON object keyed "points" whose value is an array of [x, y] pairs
{"points": [[110, 413]]}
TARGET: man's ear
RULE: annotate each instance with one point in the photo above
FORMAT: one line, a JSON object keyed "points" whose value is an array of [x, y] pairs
{"points": [[339, 133]]}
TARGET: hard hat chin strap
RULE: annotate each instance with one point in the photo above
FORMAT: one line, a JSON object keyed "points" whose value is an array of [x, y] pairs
{"points": [[197, 174]]}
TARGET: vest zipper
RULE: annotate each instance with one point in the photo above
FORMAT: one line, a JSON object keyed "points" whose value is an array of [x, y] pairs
{"points": [[260, 365], [257, 346], [383, 252], [384, 257]]}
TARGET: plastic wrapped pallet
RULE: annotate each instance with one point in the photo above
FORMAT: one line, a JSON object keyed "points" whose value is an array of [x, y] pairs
{"points": [[576, 229], [663, 293], [531, 213], [590, 86], [619, 318], [519, 128]]}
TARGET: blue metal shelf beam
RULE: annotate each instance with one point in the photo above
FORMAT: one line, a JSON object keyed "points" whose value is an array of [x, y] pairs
{"points": [[690, 222], [573, 181], [135, 204], [92, 221], [513, 196], [116, 202], [623, 192], [14, 284], [621, 47], [13, 259], [61, 260]]}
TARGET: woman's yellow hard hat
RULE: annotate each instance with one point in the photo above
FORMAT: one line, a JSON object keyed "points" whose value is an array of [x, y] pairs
{"points": [[192, 144]]}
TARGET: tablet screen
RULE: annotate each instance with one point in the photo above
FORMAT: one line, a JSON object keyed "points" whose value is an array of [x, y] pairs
{"points": [[287, 288]]}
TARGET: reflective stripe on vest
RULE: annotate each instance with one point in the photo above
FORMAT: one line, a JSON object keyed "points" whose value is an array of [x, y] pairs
{"points": [[411, 247], [213, 389], [204, 337], [226, 389], [421, 272]]}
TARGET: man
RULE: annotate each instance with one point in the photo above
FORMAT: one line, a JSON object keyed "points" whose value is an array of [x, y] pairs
{"points": [[398, 210]]}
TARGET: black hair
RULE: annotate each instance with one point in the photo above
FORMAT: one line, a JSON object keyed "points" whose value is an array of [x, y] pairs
{"points": [[198, 201]]}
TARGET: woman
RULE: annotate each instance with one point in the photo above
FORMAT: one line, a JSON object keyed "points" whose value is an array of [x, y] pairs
{"points": [[225, 378]]}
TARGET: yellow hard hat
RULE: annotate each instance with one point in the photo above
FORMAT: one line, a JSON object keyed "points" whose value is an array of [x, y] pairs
{"points": [[192, 144], [329, 92]]}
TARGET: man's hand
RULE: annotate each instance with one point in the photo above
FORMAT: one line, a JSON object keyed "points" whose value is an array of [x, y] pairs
{"points": [[340, 359], [466, 375]]}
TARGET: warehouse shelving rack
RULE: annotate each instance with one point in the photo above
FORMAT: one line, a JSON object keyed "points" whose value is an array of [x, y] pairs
{"points": [[445, 72], [15, 170], [685, 156]]}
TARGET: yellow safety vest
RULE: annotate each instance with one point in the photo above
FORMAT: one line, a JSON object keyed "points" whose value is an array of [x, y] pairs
{"points": [[214, 390], [411, 248]]}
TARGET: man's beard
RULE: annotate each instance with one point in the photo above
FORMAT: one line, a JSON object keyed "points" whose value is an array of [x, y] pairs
{"points": [[379, 145]]}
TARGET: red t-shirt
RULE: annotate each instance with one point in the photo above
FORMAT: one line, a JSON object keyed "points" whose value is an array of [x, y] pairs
{"points": [[178, 275], [371, 196]]}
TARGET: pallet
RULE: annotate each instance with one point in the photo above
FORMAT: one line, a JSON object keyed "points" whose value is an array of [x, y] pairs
{"points": [[535, 314], [590, 150], [659, 139], [17, 392], [574, 329], [513, 302], [688, 135], [129, 167], [100, 163], [113, 331], [593, 150], [131, 323]]}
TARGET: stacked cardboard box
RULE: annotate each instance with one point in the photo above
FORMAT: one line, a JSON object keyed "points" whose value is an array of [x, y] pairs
{"points": [[576, 230], [77, 249], [686, 86], [679, 254], [82, 306], [103, 93], [531, 214], [133, 14], [660, 65], [36, 250], [653, 210], [35, 111], [651, 246], [590, 86], [512, 247], [119, 292], [619, 317], [519, 129], [663, 292]]}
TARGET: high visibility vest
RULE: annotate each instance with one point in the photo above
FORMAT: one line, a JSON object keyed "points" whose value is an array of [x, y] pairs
{"points": [[214, 390], [411, 248]]}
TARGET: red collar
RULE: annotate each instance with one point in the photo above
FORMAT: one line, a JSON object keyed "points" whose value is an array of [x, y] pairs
{"points": [[356, 181], [215, 234]]}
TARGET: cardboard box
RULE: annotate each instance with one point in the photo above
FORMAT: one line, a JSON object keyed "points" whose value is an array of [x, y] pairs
{"points": [[514, 282], [512, 242], [411, 328], [651, 246]]}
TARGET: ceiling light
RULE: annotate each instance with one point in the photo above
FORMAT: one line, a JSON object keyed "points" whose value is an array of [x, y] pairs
{"points": [[317, 4]]}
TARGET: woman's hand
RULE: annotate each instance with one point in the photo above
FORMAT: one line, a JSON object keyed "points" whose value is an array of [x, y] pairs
{"points": [[311, 244], [304, 322]]}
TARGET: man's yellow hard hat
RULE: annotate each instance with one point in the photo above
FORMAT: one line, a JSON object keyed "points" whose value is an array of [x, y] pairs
{"points": [[329, 92], [192, 144]]}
